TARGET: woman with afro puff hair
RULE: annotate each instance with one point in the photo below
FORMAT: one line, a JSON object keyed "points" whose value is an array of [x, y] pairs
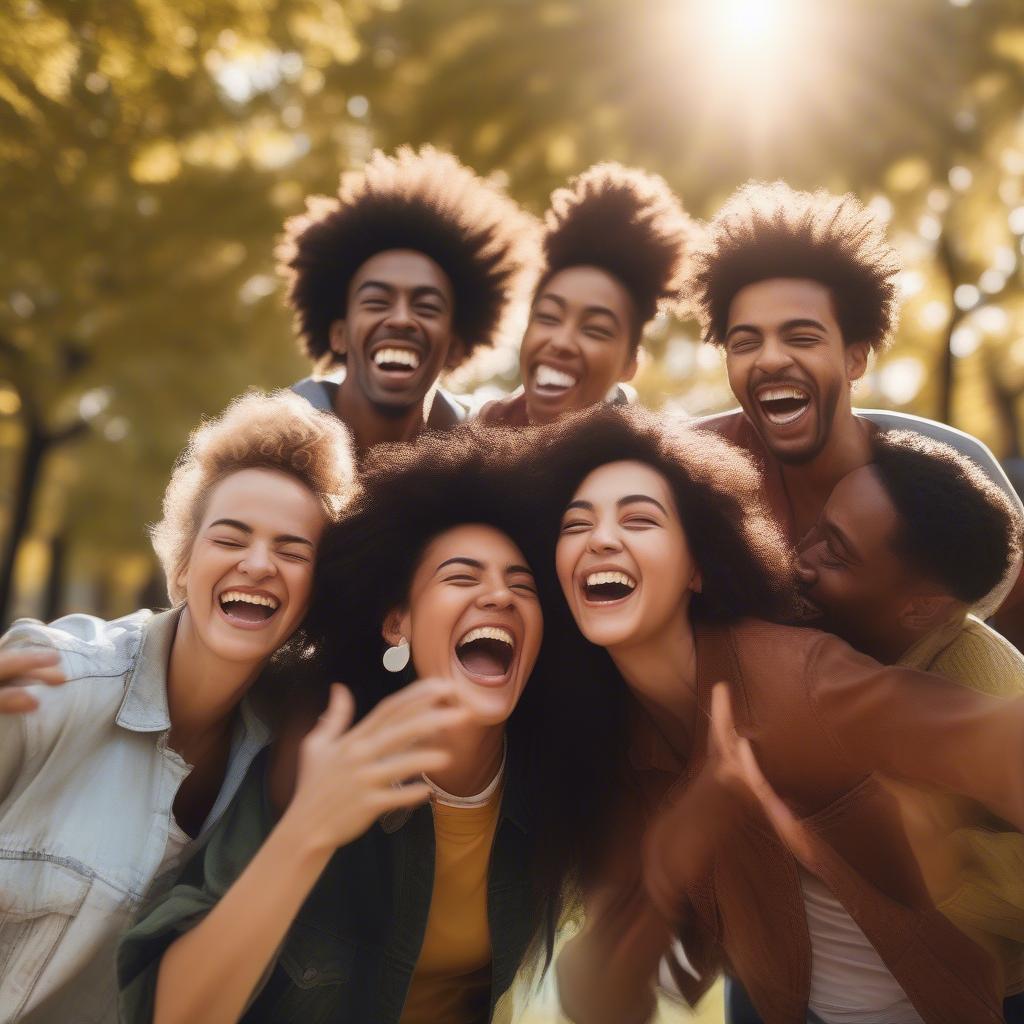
{"points": [[615, 243], [352, 893], [398, 277], [669, 561]]}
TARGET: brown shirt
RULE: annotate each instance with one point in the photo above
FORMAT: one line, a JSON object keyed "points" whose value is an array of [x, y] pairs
{"points": [[823, 720]]}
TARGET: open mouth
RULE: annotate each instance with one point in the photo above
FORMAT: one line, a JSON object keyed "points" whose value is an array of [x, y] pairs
{"points": [[486, 652], [606, 587], [248, 609], [549, 381], [399, 361], [783, 403]]}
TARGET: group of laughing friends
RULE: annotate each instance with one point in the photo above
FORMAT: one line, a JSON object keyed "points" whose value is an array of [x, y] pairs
{"points": [[446, 697]]}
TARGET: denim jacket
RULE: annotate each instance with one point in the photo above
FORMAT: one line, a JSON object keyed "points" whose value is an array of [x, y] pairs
{"points": [[349, 955], [87, 784]]}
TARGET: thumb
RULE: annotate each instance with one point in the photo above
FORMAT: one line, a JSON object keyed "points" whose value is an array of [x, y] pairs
{"points": [[341, 707]]}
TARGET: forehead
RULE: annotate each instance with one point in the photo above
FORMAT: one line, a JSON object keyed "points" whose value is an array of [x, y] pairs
{"points": [[861, 507], [776, 300], [580, 287], [403, 269], [478, 541], [614, 480], [266, 499]]}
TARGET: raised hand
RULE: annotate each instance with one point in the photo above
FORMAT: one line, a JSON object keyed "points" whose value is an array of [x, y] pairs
{"points": [[20, 669], [348, 777]]}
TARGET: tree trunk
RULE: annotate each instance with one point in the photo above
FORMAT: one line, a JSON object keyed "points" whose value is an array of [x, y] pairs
{"points": [[53, 595], [37, 442]]}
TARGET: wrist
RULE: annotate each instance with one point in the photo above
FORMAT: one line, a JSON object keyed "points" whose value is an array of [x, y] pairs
{"points": [[304, 842]]}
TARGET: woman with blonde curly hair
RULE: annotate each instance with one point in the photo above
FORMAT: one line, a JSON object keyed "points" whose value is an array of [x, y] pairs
{"points": [[109, 777]]}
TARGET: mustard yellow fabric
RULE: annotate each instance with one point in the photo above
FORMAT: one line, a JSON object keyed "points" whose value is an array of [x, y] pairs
{"points": [[452, 980], [987, 901]]}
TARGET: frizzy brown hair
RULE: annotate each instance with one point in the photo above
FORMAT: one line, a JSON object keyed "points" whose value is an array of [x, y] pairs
{"points": [[279, 431], [769, 231], [626, 222], [426, 201], [746, 566]]}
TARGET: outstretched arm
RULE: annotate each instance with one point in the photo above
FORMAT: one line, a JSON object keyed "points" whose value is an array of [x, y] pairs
{"points": [[347, 778]]}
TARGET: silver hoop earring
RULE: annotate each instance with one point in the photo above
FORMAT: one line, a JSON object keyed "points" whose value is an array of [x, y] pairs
{"points": [[397, 657]]}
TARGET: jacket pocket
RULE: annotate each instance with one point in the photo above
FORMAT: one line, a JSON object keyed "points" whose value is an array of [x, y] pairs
{"points": [[38, 900], [310, 984]]}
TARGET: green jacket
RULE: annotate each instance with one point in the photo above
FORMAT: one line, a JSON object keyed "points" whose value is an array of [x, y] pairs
{"points": [[350, 953]]}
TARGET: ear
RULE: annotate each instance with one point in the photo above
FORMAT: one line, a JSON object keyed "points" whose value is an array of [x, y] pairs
{"points": [[629, 371], [856, 360], [456, 353], [396, 625], [696, 582], [338, 338], [925, 611]]}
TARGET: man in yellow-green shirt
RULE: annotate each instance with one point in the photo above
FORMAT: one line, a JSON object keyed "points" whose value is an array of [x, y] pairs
{"points": [[903, 549]]}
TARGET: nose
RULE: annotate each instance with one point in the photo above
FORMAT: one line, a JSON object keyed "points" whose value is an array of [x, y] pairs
{"points": [[498, 595], [773, 356], [561, 339], [257, 563], [603, 538], [400, 314], [806, 573]]}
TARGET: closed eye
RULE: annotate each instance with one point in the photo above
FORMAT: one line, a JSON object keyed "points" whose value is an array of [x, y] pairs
{"points": [[575, 525], [642, 521], [226, 542], [462, 580]]}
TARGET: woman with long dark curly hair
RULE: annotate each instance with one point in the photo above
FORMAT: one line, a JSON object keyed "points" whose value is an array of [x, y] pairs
{"points": [[668, 560], [360, 903]]}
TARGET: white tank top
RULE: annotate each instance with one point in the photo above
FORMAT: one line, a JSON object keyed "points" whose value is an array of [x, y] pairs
{"points": [[849, 982]]}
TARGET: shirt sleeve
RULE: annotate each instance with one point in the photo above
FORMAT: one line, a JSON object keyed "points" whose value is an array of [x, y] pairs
{"points": [[206, 877], [919, 726]]}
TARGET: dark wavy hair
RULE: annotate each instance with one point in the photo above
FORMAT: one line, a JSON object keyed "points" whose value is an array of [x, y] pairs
{"points": [[747, 568], [422, 200], [771, 230], [626, 222], [562, 735], [957, 527]]}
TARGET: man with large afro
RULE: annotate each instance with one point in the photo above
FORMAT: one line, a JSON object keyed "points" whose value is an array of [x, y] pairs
{"points": [[798, 288], [399, 276]]}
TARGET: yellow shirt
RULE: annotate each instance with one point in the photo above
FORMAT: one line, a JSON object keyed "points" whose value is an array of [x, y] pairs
{"points": [[452, 980], [982, 891]]}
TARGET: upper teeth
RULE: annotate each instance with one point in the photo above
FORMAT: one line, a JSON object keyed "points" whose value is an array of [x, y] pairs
{"points": [[488, 633], [237, 595], [548, 376], [401, 356], [783, 391], [596, 578]]}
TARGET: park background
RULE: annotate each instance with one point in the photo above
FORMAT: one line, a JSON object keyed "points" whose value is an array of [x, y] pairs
{"points": [[151, 149]]}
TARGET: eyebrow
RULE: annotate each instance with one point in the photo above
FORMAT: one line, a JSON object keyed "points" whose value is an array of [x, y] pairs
{"points": [[587, 310], [787, 325], [281, 538], [418, 291], [632, 499]]}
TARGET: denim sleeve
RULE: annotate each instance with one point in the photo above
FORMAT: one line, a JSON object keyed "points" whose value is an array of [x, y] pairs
{"points": [[206, 877]]}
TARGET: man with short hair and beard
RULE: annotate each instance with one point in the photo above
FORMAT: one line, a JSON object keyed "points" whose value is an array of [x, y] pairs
{"points": [[798, 288], [398, 277]]}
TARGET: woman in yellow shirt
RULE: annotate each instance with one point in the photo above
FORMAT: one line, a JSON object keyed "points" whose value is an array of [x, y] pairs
{"points": [[429, 848]]}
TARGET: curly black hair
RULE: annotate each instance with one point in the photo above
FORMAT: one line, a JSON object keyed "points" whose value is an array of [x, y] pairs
{"points": [[423, 200], [563, 732], [771, 230], [957, 527], [626, 222], [747, 568]]}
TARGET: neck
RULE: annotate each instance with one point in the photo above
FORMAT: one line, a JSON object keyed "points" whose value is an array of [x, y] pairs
{"points": [[661, 672], [809, 484], [476, 757], [203, 691], [369, 424]]}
